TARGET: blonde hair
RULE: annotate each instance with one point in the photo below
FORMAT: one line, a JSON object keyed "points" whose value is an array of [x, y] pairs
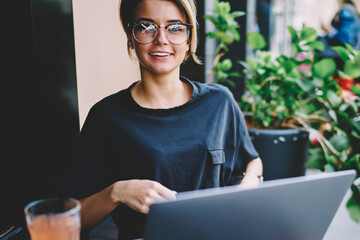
{"points": [[126, 11]]}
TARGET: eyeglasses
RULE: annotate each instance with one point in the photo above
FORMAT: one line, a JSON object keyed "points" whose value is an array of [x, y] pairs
{"points": [[176, 33]]}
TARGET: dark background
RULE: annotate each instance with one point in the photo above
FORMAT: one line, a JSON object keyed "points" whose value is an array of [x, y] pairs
{"points": [[39, 109]]}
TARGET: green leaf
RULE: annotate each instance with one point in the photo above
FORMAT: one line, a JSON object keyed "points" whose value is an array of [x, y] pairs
{"points": [[213, 19], [226, 65], [349, 47], [353, 205], [236, 34], [237, 14], [333, 98], [234, 74], [341, 51], [224, 7], [308, 34], [356, 89], [223, 23], [351, 104], [305, 61], [318, 82], [315, 158], [225, 38], [352, 68], [251, 62], [304, 84], [316, 45], [324, 68], [355, 134], [329, 168], [353, 163], [293, 34], [356, 124], [340, 142], [211, 35], [230, 83], [256, 40]]}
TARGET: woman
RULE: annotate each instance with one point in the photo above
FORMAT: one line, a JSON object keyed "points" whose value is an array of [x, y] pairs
{"points": [[162, 135]]}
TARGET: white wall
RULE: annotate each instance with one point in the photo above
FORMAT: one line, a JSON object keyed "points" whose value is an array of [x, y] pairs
{"points": [[315, 12], [102, 64]]}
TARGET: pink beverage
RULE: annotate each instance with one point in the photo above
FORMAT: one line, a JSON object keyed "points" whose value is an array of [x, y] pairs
{"points": [[53, 219]]}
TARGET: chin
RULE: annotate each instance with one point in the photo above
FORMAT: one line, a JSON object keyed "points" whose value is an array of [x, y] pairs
{"points": [[165, 69]]}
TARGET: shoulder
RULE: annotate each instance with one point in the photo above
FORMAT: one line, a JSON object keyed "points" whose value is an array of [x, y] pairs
{"points": [[216, 96], [109, 103], [214, 90]]}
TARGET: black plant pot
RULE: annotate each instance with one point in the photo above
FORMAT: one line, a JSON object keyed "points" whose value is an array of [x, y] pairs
{"points": [[282, 151]]}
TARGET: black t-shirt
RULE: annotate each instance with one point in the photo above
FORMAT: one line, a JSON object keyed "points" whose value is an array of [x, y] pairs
{"points": [[200, 144]]}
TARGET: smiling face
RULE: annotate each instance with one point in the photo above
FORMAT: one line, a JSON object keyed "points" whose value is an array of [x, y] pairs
{"points": [[159, 57]]}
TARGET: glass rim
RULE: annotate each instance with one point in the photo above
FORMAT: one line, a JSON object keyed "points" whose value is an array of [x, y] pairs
{"points": [[69, 212], [188, 25], [188, 30]]}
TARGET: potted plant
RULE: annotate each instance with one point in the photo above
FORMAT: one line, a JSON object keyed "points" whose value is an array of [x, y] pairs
{"points": [[226, 32], [281, 101], [300, 96], [343, 129], [311, 94]]}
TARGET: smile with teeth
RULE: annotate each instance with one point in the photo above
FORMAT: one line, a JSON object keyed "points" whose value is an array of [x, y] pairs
{"points": [[160, 54]]}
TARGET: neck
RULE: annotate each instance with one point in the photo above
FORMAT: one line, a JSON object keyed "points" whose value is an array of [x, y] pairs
{"points": [[161, 91], [164, 82]]}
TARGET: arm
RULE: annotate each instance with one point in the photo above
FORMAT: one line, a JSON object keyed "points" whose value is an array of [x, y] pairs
{"points": [[137, 194], [253, 168]]}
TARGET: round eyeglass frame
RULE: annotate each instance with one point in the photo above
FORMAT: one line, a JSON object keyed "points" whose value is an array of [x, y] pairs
{"points": [[157, 27]]}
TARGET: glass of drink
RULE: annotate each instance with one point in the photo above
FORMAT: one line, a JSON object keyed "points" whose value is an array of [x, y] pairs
{"points": [[53, 218]]}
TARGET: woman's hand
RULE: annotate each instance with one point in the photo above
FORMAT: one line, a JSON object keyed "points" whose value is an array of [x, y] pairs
{"points": [[140, 194], [249, 181], [253, 174]]}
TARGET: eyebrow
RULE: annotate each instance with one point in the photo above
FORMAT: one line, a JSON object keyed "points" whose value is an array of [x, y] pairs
{"points": [[151, 20]]}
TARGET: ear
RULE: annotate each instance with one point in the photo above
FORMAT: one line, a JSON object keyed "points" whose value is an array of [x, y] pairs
{"points": [[130, 42]]}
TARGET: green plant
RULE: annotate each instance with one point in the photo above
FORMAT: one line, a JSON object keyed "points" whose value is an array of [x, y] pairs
{"points": [[343, 129], [281, 91], [226, 33], [313, 94], [299, 91]]}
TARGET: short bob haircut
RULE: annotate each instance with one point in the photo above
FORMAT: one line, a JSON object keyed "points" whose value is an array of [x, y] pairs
{"points": [[127, 9]]}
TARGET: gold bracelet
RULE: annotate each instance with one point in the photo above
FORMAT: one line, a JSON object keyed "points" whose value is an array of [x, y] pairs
{"points": [[259, 176]]}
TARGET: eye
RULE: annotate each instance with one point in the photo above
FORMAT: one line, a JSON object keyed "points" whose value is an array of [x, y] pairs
{"points": [[176, 28], [145, 27]]}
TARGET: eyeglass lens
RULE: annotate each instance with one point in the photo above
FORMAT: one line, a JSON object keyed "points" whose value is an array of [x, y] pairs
{"points": [[144, 32]]}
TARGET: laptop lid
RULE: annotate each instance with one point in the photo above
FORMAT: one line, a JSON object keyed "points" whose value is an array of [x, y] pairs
{"points": [[292, 208]]}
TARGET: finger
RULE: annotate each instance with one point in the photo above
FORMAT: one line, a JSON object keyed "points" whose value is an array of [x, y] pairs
{"points": [[144, 209], [153, 197], [165, 192], [140, 207]]}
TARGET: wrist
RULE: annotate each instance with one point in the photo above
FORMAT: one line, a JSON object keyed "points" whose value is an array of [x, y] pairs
{"points": [[253, 173], [115, 192]]}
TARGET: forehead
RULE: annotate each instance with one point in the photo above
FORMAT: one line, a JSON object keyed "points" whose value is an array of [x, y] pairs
{"points": [[160, 11]]}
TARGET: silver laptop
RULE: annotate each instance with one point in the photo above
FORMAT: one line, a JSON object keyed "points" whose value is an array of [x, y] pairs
{"points": [[292, 208]]}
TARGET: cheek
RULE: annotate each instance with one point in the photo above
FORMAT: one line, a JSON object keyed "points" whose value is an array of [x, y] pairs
{"points": [[139, 48]]}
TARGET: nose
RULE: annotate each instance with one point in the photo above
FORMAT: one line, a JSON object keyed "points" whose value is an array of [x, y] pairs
{"points": [[161, 37]]}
